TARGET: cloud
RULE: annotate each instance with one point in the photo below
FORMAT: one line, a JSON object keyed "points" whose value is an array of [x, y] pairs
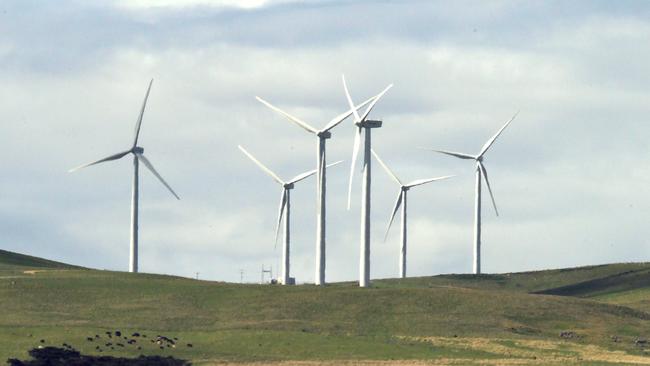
{"points": [[244, 4]]}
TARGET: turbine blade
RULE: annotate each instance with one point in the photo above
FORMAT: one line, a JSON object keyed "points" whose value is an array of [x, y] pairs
{"points": [[456, 154], [419, 182], [491, 141], [355, 154], [139, 123], [386, 168], [398, 202], [334, 163], [349, 98], [302, 176], [147, 163], [487, 182], [308, 174], [108, 158], [283, 203], [291, 118], [372, 105], [259, 164], [341, 117]]}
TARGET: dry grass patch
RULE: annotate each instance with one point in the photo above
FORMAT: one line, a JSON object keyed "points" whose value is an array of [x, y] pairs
{"points": [[524, 351]]}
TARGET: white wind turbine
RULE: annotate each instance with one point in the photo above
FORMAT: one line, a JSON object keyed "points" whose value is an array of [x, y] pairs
{"points": [[138, 156], [480, 171], [322, 136], [401, 200], [367, 125], [284, 209]]}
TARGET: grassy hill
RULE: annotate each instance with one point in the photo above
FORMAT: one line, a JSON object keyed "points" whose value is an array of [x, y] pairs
{"points": [[511, 318], [16, 261]]}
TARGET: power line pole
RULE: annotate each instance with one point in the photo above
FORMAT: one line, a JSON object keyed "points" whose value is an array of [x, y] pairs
{"points": [[269, 271]]}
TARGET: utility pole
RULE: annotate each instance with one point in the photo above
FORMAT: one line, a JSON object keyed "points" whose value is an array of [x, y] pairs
{"points": [[264, 271]]}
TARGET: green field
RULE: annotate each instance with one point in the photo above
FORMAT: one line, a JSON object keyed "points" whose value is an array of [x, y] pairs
{"points": [[512, 318]]}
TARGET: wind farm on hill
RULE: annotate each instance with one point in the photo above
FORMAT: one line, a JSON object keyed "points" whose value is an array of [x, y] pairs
{"points": [[597, 315], [361, 123], [324, 182]]}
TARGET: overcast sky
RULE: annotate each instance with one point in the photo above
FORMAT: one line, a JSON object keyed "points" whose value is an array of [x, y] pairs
{"points": [[570, 174]]}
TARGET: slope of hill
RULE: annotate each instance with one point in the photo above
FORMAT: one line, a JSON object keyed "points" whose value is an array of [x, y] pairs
{"points": [[11, 260], [488, 319], [627, 280], [630, 287], [543, 282]]}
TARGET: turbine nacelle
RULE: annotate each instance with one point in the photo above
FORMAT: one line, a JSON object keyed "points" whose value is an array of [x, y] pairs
{"points": [[369, 123], [288, 186], [137, 150]]}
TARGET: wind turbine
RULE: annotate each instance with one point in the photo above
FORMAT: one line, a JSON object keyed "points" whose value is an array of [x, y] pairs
{"points": [[480, 172], [401, 200], [138, 156], [322, 136], [284, 209], [367, 125]]}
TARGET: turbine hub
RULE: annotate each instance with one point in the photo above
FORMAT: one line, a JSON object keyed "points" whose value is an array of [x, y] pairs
{"points": [[288, 186], [138, 150], [479, 159], [324, 134], [405, 188]]}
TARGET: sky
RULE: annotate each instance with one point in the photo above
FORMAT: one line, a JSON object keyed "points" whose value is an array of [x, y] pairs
{"points": [[570, 174]]}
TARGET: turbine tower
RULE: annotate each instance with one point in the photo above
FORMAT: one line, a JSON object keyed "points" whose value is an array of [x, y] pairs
{"points": [[367, 125], [284, 209], [401, 200], [481, 172], [322, 136], [138, 156]]}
